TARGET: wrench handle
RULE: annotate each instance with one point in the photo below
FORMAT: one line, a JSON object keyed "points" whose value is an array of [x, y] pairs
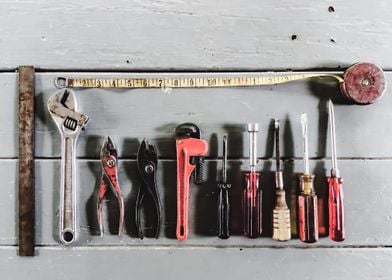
{"points": [[68, 191], [186, 148], [336, 209]]}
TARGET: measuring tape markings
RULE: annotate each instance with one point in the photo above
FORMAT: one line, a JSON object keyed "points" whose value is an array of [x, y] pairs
{"points": [[361, 83], [202, 82]]}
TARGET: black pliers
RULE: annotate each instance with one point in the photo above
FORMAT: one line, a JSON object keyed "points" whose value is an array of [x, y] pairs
{"points": [[147, 161]]}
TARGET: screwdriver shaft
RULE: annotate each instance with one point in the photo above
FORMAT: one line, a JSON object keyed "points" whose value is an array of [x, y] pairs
{"points": [[304, 124], [253, 128], [277, 140], [334, 171], [224, 161]]}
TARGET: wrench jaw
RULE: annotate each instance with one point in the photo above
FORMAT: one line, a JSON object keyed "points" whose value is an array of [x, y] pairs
{"points": [[62, 107]]}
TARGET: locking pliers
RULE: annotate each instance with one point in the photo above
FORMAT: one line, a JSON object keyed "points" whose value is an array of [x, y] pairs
{"points": [[147, 161], [109, 161]]}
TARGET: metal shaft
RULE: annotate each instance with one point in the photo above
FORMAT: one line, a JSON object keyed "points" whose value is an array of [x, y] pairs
{"points": [[278, 173], [253, 128], [335, 170], [277, 145], [304, 124], [68, 191], [224, 161]]}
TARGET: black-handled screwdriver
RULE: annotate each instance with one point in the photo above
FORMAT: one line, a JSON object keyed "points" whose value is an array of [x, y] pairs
{"points": [[223, 198]]}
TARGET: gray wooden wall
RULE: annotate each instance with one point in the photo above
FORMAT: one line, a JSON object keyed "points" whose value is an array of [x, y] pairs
{"points": [[137, 38]]}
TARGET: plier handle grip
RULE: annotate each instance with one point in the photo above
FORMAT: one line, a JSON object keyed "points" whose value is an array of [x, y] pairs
{"points": [[109, 161], [147, 162]]}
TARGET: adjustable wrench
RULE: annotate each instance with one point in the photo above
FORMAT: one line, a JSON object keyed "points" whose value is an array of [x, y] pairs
{"points": [[62, 107]]}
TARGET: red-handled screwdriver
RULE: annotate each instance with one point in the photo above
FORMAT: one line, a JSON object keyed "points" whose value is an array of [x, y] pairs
{"points": [[307, 199], [335, 198], [252, 193]]}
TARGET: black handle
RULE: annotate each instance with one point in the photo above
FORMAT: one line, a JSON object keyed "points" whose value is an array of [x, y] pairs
{"points": [[223, 211]]}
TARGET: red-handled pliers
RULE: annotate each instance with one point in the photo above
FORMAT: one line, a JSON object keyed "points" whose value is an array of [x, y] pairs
{"points": [[109, 161]]}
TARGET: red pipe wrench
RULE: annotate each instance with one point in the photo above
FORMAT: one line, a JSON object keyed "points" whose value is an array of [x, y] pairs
{"points": [[190, 150]]}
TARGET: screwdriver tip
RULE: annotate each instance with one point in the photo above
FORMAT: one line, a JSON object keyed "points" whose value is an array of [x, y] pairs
{"points": [[330, 105], [304, 118], [304, 123]]}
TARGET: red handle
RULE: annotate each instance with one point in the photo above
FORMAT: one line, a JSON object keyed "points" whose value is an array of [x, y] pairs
{"points": [[252, 207], [308, 220], [186, 148], [336, 209]]}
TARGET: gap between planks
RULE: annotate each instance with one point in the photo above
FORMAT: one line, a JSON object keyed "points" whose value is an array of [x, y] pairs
{"points": [[201, 246]]}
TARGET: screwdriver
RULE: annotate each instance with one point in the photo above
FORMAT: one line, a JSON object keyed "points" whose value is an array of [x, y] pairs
{"points": [[335, 198], [252, 194], [281, 229], [307, 199], [223, 198]]}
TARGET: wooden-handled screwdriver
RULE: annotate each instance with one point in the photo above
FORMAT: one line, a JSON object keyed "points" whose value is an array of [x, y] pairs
{"points": [[335, 198], [281, 229], [307, 199]]}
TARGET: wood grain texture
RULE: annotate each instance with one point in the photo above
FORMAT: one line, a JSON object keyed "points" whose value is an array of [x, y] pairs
{"points": [[367, 202], [239, 35], [26, 161], [131, 115], [201, 35], [197, 263]]}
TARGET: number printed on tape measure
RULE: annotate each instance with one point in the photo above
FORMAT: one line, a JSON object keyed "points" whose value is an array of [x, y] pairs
{"points": [[192, 82]]}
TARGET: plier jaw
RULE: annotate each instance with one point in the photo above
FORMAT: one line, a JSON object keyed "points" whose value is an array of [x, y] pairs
{"points": [[147, 161], [109, 161]]}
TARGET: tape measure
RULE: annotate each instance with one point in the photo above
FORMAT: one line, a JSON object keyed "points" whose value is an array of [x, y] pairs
{"points": [[362, 83]]}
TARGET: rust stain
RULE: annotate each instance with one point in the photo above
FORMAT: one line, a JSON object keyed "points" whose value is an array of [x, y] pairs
{"points": [[26, 161]]}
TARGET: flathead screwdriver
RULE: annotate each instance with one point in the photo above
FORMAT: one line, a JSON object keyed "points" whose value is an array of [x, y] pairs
{"points": [[307, 199], [335, 198], [281, 229], [252, 209], [223, 198]]}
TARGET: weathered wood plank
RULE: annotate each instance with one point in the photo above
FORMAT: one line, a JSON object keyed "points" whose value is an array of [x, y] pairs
{"points": [[198, 263], [131, 115], [367, 202], [9, 114], [199, 35]]}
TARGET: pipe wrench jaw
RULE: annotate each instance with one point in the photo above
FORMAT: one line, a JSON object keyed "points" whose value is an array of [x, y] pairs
{"points": [[62, 107], [190, 130]]}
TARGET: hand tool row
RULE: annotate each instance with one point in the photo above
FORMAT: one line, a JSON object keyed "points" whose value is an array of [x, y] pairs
{"points": [[190, 152]]}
